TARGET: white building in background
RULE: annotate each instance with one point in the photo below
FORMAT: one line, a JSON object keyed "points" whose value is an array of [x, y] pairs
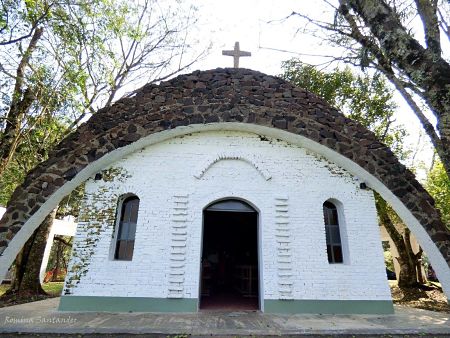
{"points": [[61, 227], [64, 227]]}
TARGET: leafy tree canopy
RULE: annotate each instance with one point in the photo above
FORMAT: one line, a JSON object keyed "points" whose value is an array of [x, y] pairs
{"points": [[33, 150], [364, 98], [60, 61], [405, 41], [438, 185]]}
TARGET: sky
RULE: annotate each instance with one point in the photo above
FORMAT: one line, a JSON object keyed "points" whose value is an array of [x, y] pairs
{"points": [[262, 28]]}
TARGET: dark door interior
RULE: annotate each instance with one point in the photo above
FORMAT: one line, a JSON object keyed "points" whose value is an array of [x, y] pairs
{"points": [[230, 257]]}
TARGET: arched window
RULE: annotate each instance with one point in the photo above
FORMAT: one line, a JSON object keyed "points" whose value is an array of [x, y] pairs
{"points": [[332, 232], [127, 229]]}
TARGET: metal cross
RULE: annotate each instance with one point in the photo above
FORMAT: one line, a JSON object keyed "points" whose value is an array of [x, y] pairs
{"points": [[236, 53]]}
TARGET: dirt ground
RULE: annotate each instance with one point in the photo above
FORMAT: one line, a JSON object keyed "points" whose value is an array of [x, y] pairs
{"points": [[53, 289], [10, 300], [429, 297]]}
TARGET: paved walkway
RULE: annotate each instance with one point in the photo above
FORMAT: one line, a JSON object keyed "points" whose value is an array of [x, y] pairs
{"points": [[42, 317]]}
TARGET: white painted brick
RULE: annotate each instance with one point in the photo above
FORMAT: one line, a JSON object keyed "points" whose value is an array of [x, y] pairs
{"points": [[166, 260]]}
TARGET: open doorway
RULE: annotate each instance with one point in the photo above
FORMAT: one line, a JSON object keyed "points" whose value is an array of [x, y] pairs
{"points": [[229, 266]]}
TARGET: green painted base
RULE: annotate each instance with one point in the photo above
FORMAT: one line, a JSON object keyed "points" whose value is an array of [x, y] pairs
{"points": [[126, 304], [143, 304], [329, 306]]}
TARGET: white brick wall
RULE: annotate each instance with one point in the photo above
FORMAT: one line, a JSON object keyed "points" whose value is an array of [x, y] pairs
{"points": [[254, 169]]}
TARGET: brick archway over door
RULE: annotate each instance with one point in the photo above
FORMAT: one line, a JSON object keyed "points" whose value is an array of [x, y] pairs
{"points": [[216, 96]]}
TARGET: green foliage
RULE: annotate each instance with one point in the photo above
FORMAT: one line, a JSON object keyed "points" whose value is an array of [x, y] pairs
{"points": [[364, 98], [43, 134], [63, 255], [438, 185], [70, 205], [388, 260], [53, 288], [89, 50]]}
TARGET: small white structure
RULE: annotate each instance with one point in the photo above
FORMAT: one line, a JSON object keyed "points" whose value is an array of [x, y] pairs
{"points": [[227, 220], [62, 227]]}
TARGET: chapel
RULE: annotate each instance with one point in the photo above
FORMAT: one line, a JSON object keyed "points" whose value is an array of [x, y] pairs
{"points": [[227, 219], [225, 189], [227, 216]]}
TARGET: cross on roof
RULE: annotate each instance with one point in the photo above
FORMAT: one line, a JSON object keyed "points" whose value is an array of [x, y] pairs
{"points": [[236, 53]]}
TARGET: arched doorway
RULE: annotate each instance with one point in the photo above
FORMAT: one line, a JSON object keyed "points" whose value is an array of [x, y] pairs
{"points": [[229, 266]]}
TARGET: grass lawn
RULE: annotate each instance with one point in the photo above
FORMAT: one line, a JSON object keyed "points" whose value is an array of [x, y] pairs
{"points": [[3, 288], [53, 288]]}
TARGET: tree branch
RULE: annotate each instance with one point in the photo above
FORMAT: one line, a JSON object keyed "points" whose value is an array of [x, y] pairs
{"points": [[21, 102], [32, 28], [424, 68], [365, 41], [443, 24], [62, 240], [427, 10], [430, 130]]}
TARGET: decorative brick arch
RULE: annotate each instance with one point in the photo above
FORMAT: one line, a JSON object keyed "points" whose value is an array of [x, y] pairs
{"points": [[248, 99]]}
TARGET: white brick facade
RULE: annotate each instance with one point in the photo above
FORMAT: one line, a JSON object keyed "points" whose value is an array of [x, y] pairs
{"points": [[279, 179]]}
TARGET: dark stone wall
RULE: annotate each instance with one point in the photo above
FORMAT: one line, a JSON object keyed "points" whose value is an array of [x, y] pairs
{"points": [[220, 95]]}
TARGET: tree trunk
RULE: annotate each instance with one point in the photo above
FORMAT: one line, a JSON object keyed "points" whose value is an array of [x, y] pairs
{"points": [[22, 99], [415, 258], [407, 276], [420, 277], [407, 260], [409, 256], [425, 67], [63, 244], [57, 259], [26, 281]]}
